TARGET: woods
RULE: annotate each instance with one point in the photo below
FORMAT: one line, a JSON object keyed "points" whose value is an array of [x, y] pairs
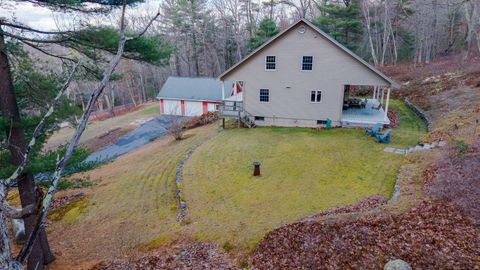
{"points": [[102, 58], [220, 33]]}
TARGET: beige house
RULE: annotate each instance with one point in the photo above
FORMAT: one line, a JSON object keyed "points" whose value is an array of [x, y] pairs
{"points": [[302, 77]]}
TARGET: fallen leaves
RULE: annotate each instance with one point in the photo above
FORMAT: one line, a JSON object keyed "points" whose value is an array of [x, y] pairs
{"points": [[192, 255], [433, 235]]}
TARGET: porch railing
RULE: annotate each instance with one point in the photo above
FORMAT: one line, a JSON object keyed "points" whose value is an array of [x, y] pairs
{"points": [[231, 109]]}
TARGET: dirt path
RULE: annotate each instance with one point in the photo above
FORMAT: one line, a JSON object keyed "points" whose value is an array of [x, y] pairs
{"points": [[132, 207]]}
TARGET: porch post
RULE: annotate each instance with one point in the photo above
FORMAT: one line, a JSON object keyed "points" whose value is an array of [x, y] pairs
{"points": [[383, 93], [374, 91], [386, 103], [223, 90]]}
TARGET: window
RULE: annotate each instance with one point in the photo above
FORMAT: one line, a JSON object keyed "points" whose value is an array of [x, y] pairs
{"points": [[264, 95], [270, 61], [321, 122], [316, 96], [259, 118], [307, 63]]}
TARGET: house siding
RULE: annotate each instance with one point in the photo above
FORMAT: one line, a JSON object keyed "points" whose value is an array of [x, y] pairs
{"points": [[290, 87]]}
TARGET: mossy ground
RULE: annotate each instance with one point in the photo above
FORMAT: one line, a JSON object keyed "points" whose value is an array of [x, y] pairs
{"points": [[68, 213]]}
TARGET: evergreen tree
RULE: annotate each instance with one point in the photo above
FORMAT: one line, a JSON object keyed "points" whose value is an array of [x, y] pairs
{"points": [[342, 22], [266, 29], [15, 118]]}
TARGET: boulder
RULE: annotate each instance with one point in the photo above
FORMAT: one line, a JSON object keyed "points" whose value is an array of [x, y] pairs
{"points": [[397, 265]]}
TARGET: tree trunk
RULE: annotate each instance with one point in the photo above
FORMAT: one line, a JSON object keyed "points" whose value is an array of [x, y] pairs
{"points": [[41, 253]]}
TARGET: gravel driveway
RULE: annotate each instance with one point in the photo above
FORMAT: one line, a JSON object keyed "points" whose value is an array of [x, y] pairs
{"points": [[138, 137]]}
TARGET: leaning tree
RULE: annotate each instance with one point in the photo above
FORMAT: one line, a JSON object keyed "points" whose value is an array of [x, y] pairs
{"points": [[88, 41]]}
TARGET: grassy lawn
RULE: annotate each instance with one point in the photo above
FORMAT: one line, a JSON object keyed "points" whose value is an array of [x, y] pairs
{"points": [[96, 128], [304, 171], [411, 128], [132, 205]]}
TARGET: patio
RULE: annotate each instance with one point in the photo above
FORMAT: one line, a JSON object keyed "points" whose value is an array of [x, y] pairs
{"points": [[367, 116]]}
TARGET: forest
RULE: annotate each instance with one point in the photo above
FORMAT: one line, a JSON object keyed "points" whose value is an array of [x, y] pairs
{"points": [[203, 38], [108, 57]]}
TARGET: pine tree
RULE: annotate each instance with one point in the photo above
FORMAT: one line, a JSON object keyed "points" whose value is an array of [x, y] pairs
{"points": [[342, 22], [266, 29]]}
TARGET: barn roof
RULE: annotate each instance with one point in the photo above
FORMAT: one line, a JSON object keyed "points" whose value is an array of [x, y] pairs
{"points": [[187, 88], [329, 38]]}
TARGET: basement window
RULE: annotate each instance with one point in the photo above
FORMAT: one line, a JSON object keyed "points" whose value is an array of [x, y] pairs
{"points": [[259, 118], [270, 62], [321, 122], [307, 63]]}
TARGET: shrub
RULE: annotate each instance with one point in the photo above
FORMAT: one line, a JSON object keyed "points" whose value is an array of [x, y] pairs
{"points": [[176, 128]]}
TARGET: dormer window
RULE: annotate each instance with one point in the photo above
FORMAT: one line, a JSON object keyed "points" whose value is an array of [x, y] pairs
{"points": [[307, 63], [270, 62]]}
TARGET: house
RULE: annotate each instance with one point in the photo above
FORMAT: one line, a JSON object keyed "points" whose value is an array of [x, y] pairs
{"points": [[190, 96], [302, 77]]}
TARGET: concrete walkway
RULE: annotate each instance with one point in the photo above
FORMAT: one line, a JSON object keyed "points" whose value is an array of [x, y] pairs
{"points": [[415, 148], [142, 135]]}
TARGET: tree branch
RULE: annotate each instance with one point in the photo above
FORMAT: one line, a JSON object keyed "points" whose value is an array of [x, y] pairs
{"points": [[148, 25], [35, 39], [15, 213], [26, 28], [74, 141], [38, 131]]}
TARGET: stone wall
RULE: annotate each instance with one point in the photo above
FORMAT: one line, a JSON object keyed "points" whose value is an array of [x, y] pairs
{"points": [[421, 113]]}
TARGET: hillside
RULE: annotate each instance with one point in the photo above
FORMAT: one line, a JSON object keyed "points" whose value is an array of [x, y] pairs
{"points": [[435, 222]]}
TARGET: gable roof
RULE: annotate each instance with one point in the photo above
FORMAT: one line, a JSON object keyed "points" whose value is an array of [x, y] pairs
{"points": [[325, 35], [186, 88]]}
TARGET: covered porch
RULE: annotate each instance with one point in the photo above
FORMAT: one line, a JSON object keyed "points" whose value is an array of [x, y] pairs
{"points": [[364, 112]]}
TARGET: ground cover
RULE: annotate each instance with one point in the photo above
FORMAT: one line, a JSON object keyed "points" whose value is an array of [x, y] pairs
{"points": [[131, 206]]}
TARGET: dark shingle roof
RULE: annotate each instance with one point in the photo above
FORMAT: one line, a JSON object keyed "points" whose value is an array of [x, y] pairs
{"points": [[187, 88]]}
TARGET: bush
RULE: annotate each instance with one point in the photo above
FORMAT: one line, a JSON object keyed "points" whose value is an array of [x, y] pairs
{"points": [[176, 128], [201, 120], [180, 125]]}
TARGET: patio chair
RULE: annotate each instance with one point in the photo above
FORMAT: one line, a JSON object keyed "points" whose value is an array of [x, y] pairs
{"points": [[373, 131], [384, 137], [377, 107]]}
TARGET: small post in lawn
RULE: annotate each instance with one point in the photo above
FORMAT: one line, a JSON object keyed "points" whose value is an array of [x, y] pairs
{"points": [[256, 168]]}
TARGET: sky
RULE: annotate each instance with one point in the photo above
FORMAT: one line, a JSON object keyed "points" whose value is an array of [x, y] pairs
{"points": [[45, 19]]}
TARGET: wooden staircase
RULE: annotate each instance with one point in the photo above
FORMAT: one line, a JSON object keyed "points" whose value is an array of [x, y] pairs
{"points": [[248, 119], [234, 109]]}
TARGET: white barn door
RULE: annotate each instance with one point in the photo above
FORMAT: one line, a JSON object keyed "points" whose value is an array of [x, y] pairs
{"points": [[212, 107], [172, 107], [193, 108]]}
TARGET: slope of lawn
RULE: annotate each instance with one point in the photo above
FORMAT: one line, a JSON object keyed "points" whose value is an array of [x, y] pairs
{"points": [[132, 204], [304, 171]]}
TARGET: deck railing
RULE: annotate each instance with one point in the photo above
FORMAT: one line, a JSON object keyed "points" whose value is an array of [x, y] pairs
{"points": [[231, 109]]}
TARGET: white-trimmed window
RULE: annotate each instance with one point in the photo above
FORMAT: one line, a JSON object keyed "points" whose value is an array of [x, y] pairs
{"points": [[316, 96], [270, 62], [307, 63], [264, 95]]}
